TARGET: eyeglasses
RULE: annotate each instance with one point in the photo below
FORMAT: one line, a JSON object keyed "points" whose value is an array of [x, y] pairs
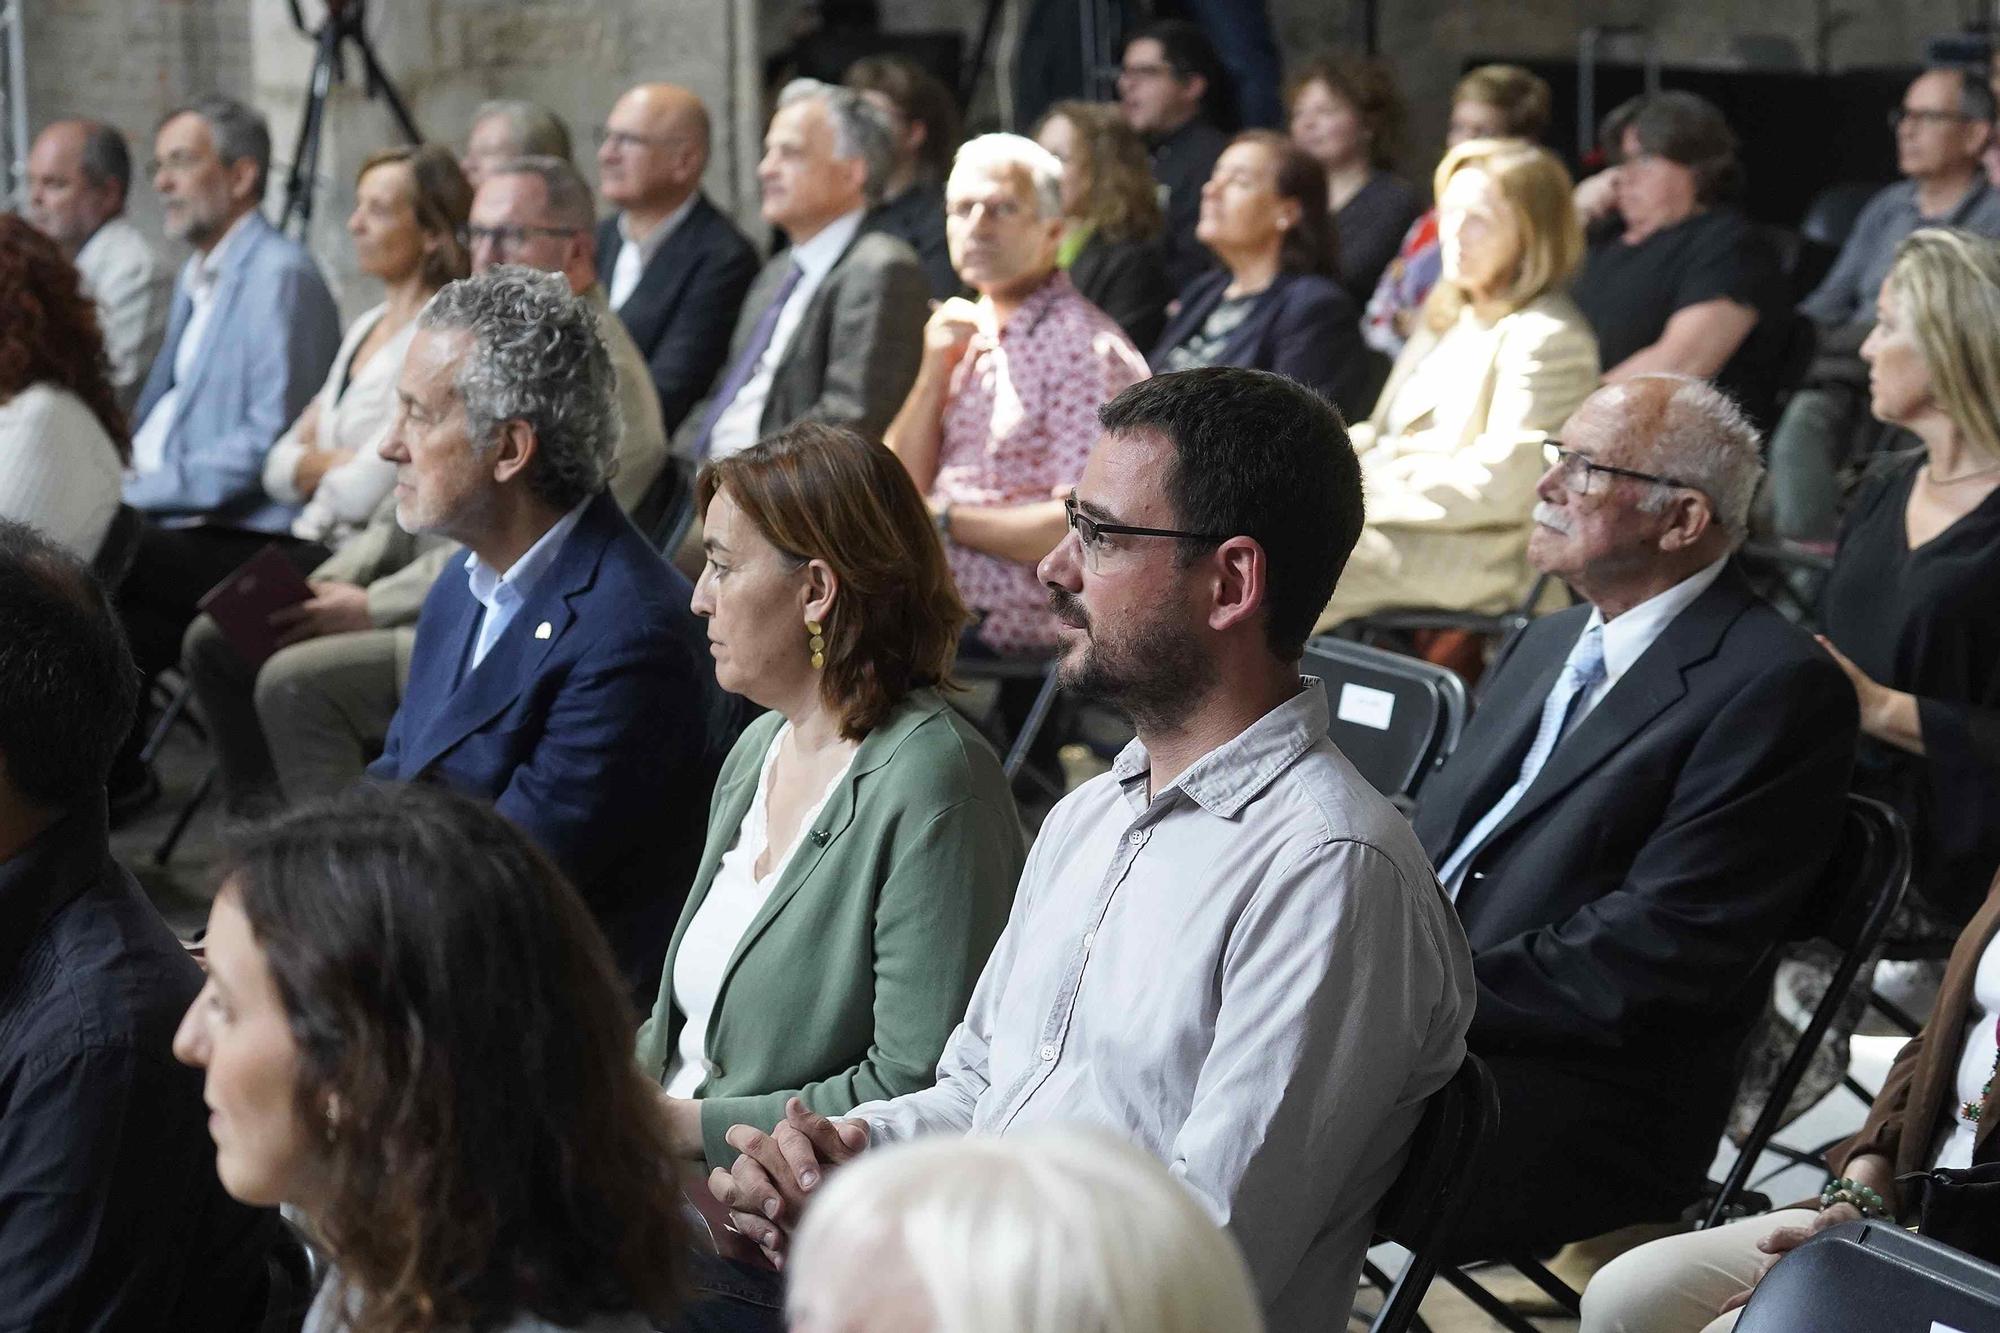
{"points": [[621, 140], [1090, 533], [509, 239], [999, 210], [177, 161], [1148, 72], [1578, 469], [1899, 114]]}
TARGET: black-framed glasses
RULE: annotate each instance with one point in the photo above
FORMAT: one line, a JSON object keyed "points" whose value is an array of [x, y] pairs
{"points": [[510, 238], [623, 139], [1090, 532], [1577, 470], [1924, 116]]}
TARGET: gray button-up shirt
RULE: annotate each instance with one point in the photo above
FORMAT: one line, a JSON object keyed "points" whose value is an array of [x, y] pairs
{"points": [[1253, 974]]}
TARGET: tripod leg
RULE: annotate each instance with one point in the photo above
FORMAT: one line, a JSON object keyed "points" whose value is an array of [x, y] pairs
{"points": [[378, 82], [303, 178]]}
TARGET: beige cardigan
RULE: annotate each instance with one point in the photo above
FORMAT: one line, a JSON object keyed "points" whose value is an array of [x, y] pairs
{"points": [[1449, 496]]}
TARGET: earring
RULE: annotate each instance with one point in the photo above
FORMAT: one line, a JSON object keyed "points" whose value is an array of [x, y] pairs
{"points": [[816, 645], [332, 1116]]}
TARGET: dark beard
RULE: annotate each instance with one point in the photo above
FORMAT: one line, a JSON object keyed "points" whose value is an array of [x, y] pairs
{"points": [[1155, 677]]}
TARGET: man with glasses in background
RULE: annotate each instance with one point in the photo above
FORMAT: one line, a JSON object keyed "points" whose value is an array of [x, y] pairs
{"points": [[1649, 789], [675, 267], [1943, 125]]}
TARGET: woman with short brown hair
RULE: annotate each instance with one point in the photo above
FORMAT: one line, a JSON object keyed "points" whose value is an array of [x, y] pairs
{"points": [[862, 845], [1346, 112]]}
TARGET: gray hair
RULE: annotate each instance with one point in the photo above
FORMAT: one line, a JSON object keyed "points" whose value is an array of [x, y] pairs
{"points": [[860, 130], [1045, 1232], [238, 132], [569, 198], [537, 358], [997, 153], [105, 156], [534, 130], [1705, 439]]}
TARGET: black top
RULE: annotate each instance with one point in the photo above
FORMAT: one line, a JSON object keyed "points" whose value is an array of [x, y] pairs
{"points": [[1629, 292], [1370, 227], [1927, 622], [111, 1216], [916, 217], [1182, 164], [1127, 280]]}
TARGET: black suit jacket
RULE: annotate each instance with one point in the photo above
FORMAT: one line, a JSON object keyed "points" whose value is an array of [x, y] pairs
{"points": [[681, 312], [1303, 326], [1627, 913], [1127, 280]]}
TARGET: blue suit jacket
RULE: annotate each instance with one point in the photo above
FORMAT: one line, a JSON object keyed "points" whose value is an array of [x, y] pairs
{"points": [[1302, 325], [270, 341], [601, 739]]}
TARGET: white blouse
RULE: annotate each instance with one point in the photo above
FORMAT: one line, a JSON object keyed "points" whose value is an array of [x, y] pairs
{"points": [[59, 470], [1975, 1058], [354, 418], [735, 896]]}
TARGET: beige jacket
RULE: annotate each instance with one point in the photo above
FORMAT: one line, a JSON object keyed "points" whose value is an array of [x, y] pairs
{"points": [[1450, 493]]}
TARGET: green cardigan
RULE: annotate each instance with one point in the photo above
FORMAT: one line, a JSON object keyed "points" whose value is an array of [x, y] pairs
{"points": [[852, 975]]}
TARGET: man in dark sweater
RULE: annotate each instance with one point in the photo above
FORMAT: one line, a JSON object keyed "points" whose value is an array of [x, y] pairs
{"points": [[1171, 90]]}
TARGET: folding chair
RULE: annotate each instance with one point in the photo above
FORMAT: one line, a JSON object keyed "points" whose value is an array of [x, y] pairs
{"points": [[1423, 1206], [1398, 624], [1395, 717], [1004, 669], [118, 550], [1850, 910], [1862, 1277], [667, 509]]}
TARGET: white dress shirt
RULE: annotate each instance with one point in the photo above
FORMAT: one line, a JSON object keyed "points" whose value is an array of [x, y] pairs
{"points": [[635, 253], [1253, 975], [502, 594], [736, 429], [734, 898], [354, 415], [199, 278], [133, 289], [1628, 636]]}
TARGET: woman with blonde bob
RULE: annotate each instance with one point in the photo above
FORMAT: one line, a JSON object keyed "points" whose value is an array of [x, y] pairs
{"points": [[863, 845], [1056, 1231], [1501, 357]]}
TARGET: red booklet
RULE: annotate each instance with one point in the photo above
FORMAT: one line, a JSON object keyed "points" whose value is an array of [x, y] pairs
{"points": [[243, 603]]}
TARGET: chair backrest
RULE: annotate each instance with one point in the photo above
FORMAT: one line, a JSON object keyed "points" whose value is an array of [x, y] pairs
{"points": [[1394, 717], [667, 509], [119, 548], [1422, 1208], [1849, 910], [1863, 1277]]}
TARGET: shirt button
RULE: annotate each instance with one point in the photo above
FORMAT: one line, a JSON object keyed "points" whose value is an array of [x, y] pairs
{"points": [[1048, 1052], [1137, 837], [1089, 938]]}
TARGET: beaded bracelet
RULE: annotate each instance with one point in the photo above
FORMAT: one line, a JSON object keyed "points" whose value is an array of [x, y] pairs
{"points": [[1855, 1194]]}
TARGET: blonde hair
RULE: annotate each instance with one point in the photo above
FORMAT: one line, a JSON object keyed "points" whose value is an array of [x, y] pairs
{"points": [[1055, 1231], [1950, 282], [1536, 189]]}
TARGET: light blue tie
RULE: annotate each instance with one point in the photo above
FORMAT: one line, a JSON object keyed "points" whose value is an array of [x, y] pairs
{"points": [[1583, 672]]}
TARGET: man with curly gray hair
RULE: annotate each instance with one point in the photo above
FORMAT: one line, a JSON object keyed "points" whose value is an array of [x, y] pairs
{"points": [[557, 669]]}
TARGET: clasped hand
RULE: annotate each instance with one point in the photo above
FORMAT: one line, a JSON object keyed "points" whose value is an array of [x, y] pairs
{"points": [[765, 1191]]}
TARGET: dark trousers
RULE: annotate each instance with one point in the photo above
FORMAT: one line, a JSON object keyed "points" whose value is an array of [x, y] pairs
{"points": [[730, 1298], [1577, 1154]]}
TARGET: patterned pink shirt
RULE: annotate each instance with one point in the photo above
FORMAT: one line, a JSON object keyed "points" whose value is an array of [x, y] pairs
{"points": [[1019, 421]]}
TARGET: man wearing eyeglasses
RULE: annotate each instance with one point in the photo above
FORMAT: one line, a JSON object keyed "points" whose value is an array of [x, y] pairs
{"points": [[675, 268], [1648, 791], [1943, 125]]}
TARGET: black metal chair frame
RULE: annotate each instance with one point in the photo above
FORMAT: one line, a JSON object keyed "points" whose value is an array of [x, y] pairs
{"points": [[1423, 1206], [1451, 707]]}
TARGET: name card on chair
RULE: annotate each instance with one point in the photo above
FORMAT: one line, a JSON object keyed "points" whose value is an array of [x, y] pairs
{"points": [[1365, 706]]}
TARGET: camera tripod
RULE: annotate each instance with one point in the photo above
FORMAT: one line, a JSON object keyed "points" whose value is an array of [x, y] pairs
{"points": [[343, 24]]}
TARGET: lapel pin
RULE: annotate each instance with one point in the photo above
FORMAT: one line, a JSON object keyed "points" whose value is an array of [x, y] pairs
{"points": [[543, 630], [821, 837]]}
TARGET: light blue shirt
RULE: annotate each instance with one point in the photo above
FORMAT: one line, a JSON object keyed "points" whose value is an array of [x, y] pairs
{"points": [[502, 594]]}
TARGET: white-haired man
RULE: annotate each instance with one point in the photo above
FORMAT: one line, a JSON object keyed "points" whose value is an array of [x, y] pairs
{"points": [[1642, 803], [1004, 410]]}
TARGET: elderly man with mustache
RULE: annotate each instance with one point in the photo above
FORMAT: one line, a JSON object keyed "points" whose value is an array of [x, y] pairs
{"points": [[1645, 797]]}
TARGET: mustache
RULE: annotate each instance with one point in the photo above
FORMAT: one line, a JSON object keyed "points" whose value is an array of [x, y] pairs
{"points": [[1549, 516], [1067, 608]]}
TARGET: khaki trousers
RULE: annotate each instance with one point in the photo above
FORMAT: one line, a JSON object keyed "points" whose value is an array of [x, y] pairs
{"points": [[1676, 1285]]}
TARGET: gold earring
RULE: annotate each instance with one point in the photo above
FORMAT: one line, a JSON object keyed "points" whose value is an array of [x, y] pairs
{"points": [[332, 1116], [816, 645]]}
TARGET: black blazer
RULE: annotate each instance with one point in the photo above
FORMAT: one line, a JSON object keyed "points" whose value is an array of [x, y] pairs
{"points": [[1303, 326], [1127, 280], [681, 312], [1629, 911]]}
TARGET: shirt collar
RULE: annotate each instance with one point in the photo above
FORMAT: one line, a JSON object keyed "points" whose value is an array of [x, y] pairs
{"points": [[1228, 777], [204, 271], [1950, 217], [649, 244], [817, 256], [1627, 637], [491, 589]]}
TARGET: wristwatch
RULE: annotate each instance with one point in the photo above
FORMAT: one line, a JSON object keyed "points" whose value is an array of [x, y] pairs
{"points": [[943, 518]]}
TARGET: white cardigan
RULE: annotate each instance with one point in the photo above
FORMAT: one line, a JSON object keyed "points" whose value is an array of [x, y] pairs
{"points": [[357, 419], [59, 470]]}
